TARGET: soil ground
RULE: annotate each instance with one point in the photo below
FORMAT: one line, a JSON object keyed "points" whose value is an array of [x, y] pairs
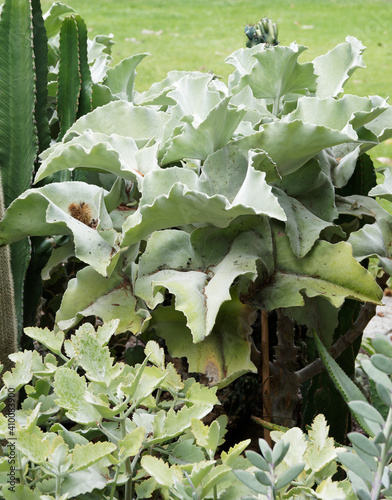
{"points": [[382, 321]]}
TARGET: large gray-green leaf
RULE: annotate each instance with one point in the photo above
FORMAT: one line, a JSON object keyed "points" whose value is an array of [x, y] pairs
{"points": [[292, 144], [327, 270], [121, 78], [194, 97], [381, 127], [374, 240], [54, 17], [359, 206], [194, 139], [347, 115], [228, 187], [302, 227], [276, 75], [383, 190], [224, 355], [312, 186], [109, 298], [336, 66], [256, 109], [123, 118], [345, 166], [200, 275], [47, 210], [113, 153], [243, 61], [157, 93]]}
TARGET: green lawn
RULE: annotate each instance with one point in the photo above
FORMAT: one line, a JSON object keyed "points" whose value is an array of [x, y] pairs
{"points": [[199, 34]]}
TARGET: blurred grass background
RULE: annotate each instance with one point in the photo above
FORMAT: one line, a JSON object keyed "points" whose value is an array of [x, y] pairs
{"points": [[200, 34]]}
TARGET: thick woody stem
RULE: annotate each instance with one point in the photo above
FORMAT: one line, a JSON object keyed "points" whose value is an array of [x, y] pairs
{"points": [[284, 384]]}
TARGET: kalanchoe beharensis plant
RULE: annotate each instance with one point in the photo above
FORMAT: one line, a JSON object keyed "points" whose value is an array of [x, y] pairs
{"points": [[265, 31], [207, 202]]}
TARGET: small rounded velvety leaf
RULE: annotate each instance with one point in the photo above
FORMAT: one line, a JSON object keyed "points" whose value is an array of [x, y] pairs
{"points": [[265, 450], [250, 480], [384, 393], [382, 346], [262, 478], [382, 362], [364, 444], [289, 475], [257, 460], [356, 465], [279, 452], [366, 411]]}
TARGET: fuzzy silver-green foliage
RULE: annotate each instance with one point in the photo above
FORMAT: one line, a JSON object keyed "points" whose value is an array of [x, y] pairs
{"points": [[122, 405]]}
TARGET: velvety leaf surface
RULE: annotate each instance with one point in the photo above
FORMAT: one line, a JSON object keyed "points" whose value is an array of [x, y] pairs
{"points": [[229, 186], [222, 356], [110, 298], [374, 240], [291, 144], [70, 390], [198, 276], [191, 140], [121, 78], [336, 66], [47, 210], [277, 76], [100, 152], [318, 273]]}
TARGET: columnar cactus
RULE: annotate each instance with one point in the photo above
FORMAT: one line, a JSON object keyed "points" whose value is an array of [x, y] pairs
{"points": [[8, 328]]}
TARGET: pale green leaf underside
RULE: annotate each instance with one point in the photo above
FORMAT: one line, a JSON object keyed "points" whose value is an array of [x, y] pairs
{"points": [[123, 118], [198, 277], [121, 78], [109, 298], [98, 151], [198, 141], [224, 355], [347, 114], [335, 67]]}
